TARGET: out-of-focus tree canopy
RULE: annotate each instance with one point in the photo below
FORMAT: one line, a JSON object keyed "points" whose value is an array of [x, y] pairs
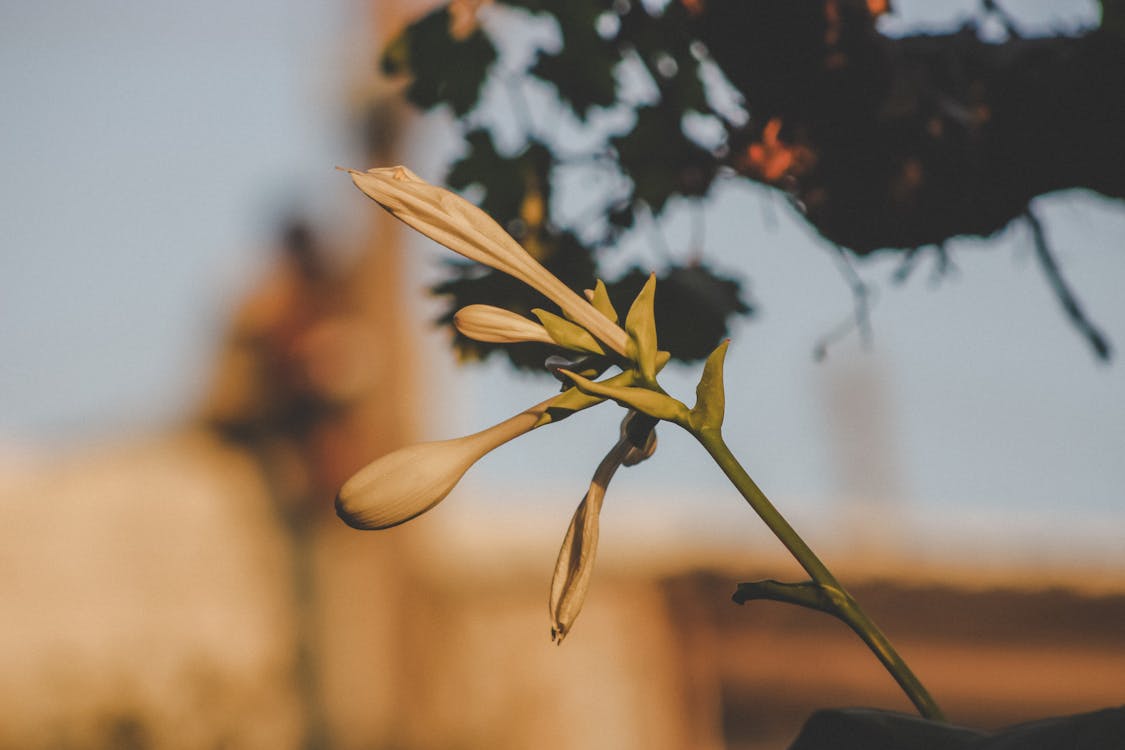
{"points": [[884, 144]]}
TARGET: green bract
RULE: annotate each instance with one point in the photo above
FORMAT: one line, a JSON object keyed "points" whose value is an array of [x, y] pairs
{"points": [[566, 334], [710, 399], [640, 324], [599, 298], [643, 399]]}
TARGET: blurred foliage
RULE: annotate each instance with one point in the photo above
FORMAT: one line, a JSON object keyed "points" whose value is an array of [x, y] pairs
{"points": [[882, 143]]}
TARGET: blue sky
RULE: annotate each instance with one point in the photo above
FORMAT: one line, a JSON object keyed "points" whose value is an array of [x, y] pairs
{"points": [[147, 149]]}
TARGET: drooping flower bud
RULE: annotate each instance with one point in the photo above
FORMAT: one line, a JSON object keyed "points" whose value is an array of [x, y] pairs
{"points": [[575, 565]]}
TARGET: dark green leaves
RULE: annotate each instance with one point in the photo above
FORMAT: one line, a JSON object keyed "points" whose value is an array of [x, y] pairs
{"points": [[600, 44], [582, 73], [506, 179], [444, 70], [661, 160]]}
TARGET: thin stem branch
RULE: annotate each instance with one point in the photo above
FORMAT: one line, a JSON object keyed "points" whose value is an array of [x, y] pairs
{"points": [[845, 607], [1066, 297], [860, 320]]}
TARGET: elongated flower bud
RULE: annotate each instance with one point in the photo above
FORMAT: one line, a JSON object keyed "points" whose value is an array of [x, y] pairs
{"points": [[406, 483], [452, 221], [575, 565], [498, 326]]}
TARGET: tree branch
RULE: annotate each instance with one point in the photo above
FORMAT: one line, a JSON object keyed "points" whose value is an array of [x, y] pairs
{"points": [[1066, 297]]}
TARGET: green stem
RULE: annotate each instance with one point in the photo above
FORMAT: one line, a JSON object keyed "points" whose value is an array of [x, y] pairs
{"points": [[846, 608]]}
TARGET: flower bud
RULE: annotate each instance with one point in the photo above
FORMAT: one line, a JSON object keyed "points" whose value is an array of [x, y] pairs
{"points": [[450, 220], [498, 326], [407, 482], [575, 565]]}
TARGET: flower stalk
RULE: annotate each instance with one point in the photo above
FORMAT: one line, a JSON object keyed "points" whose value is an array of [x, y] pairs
{"points": [[843, 605]]}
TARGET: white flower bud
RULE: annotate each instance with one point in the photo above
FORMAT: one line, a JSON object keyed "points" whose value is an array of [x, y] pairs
{"points": [[452, 221], [406, 483], [497, 325]]}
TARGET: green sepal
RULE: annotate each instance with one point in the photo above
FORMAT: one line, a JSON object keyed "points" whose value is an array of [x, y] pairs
{"points": [[599, 298], [710, 398], [645, 400], [568, 335], [640, 324], [572, 399]]}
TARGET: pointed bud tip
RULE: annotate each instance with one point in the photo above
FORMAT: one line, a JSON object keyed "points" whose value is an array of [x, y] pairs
{"points": [[345, 515]]}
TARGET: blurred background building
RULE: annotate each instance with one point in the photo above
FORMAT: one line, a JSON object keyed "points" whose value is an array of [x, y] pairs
{"points": [[204, 331]]}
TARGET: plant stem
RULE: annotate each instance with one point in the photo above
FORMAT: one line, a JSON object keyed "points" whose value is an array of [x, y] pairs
{"points": [[846, 607]]}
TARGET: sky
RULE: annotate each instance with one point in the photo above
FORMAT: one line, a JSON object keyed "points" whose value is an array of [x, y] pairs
{"points": [[148, 148]]}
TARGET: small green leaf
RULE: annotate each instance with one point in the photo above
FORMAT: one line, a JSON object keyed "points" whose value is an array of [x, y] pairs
{"points": [[566, 334], [653, 403], [640, 324], [599, 298], [710, 398]]}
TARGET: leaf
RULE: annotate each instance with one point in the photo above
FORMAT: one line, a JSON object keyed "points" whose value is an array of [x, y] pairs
{"points": [[661, 160], [506, 179], [444, 70], [582, 71], [663, 40]]}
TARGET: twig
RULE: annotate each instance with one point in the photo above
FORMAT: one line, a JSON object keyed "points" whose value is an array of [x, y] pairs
{"points": [[860, 320], [906, 266], [990, 7], [1063, 293]]}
